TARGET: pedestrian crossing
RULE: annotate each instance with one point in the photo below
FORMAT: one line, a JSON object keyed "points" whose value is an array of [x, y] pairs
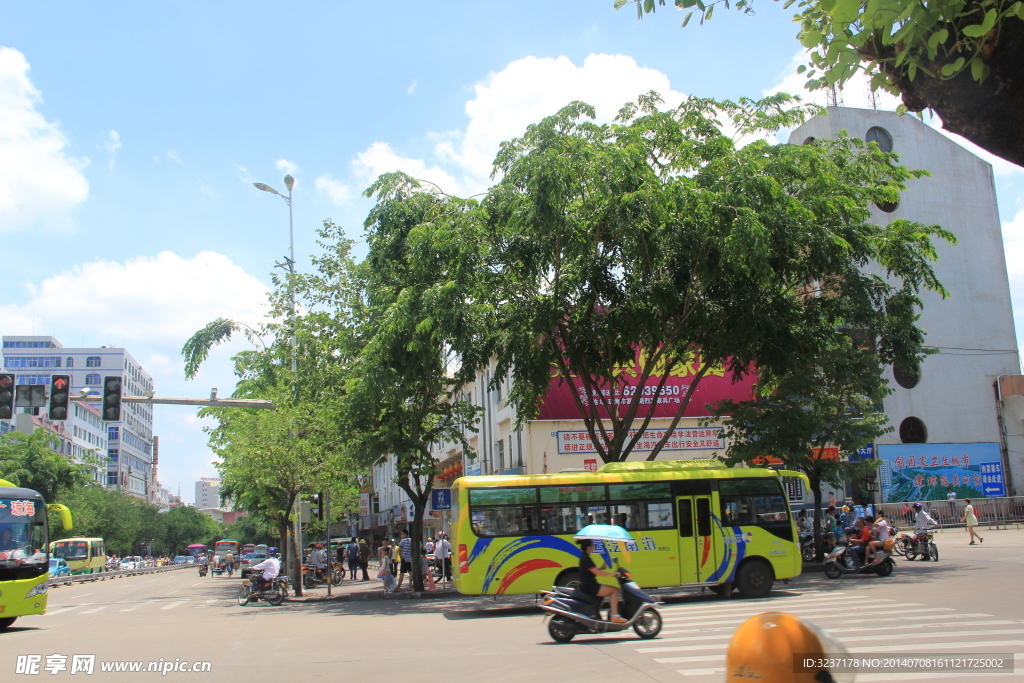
{"points": [[144, 605], [694, 637]]}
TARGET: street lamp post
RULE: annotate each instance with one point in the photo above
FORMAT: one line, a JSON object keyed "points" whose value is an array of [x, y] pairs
{"points": [[289, 182]]}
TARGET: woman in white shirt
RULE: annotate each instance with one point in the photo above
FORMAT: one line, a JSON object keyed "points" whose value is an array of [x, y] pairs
{"points": [[969, 520]]}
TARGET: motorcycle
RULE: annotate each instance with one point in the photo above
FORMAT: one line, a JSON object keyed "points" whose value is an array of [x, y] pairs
{"points": [[923, 544], [573, 612], [203, 570], [312, 577], [274, 594], [807, 545], [223, 567], [840, 561]]}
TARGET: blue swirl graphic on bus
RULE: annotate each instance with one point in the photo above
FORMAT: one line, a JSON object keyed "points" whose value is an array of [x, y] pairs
{"points": [[478, 547], [521, 545]]}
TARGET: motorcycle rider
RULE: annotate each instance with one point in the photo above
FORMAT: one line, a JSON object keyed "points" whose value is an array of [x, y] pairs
{"points": [[922, 521], [229, 561], [859, 539], [203, 564], [881, 532], [318, 562], [270, 567], [588, 581]]}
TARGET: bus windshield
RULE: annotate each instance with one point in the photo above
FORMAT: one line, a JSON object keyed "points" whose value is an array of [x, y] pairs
{"points": [[22, 533], [71, 550]]}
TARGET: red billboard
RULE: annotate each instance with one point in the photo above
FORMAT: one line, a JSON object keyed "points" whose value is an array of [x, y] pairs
{"points": [[716, 385]]}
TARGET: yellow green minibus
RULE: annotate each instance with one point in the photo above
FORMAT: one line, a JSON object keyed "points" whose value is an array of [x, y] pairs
{"points": [[695, 523], [24, 562], [83, 555]]}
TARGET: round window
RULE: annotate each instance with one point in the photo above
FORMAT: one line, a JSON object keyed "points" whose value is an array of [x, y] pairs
{"points": [[881, 136], [912, 430], [907, 376], [888, 207], [808, 141]]}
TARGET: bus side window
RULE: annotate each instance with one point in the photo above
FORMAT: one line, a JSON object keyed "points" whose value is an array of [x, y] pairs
{"points": [[736, 511], [685, 517]]}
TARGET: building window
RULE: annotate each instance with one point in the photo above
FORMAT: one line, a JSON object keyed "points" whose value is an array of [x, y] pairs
{"points": [[888, 207], [501, 454], [33, 379], [113, 433], [92, 361], [70, 362], [92, 380], [907, 376], [113, 454], [880, 136], [111, 478], [32, 361], [28, 345], [809, 141], [912, 430]]}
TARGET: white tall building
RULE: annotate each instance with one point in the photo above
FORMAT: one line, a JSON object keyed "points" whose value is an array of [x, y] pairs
{"points": [[208, 493], [129, 442]]}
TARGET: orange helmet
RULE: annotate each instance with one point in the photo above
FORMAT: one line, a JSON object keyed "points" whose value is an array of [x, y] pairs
{"points": [[763, 649]]}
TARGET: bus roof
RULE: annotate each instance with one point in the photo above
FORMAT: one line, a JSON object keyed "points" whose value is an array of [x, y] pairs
{"points": [[663, 470], [9, 490], [78, 538]]}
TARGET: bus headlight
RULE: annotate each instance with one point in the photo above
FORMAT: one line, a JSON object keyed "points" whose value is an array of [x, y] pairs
{"points": [[39, 589]]}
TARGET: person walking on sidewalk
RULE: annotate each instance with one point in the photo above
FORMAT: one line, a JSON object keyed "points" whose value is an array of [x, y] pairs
{"points": [[970, 521], [405, 548], [364, 558], [352, 552], [443, 556], [386, 565]]}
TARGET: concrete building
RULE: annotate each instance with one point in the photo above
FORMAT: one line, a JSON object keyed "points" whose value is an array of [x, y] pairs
{"points": [[208, 493], [129, 447], [947, 406]]}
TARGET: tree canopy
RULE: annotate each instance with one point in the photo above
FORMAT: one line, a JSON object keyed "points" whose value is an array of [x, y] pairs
{"points": [[964, 59]]}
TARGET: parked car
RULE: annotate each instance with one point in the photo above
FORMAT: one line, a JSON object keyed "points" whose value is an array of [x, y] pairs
{"points": [[248, 560], [127, 563], [179, 559], [59, 567]]}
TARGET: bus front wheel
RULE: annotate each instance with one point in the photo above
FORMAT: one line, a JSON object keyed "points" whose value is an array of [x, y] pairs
{"points": [[754, 579], [6, 622]]}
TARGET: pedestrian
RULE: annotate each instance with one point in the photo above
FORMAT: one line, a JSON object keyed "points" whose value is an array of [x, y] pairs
{"points": [[405, 558], [364, 558], [951, 497], [443, 556], [970, 521], [385, 561]]}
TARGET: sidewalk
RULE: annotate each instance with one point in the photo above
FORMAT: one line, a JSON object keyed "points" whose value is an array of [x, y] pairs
{"points": [[373, 589]]}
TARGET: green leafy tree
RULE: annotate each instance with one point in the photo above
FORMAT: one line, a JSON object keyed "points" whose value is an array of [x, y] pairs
{"points": [[186, 525], [657, 238], [422, 339], [964, 59], [32, 461]]}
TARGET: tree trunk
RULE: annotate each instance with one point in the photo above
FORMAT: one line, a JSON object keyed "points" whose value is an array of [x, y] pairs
{"points": [[417, 542], [989, 114], [297, 563]]}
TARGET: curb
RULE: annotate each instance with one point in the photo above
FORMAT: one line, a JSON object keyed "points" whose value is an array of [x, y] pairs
{"points": [[375, 595]]}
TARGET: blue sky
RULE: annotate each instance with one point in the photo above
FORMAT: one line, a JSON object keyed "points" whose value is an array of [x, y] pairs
{"points": [[131, 133]]}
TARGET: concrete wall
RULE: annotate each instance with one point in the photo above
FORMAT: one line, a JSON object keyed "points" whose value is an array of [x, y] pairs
{"points": [[973, 329]]}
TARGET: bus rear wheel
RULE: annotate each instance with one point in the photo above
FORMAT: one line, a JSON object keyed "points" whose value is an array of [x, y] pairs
{"points": [[6, 622], [754, 579], [569, 579]]}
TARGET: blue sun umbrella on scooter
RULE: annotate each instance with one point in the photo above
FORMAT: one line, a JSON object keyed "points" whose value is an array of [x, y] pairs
{"points": [[603, 532]]}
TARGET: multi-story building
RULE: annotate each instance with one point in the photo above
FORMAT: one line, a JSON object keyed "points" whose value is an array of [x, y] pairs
{"points": [[129, 442], [208, 493]]}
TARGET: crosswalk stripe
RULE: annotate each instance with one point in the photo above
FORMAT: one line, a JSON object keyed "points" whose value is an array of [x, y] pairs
{"points": [[174, 604], [811, 610], [95, 609], [870, 628], [719, 651], [62, 610], [937, 634], [700, 672], [718, 604]]}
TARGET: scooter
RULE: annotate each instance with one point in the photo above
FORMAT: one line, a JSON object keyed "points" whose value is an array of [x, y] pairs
{"points": [[574, 612], [923, 544], [840, 561], [203, 569]]}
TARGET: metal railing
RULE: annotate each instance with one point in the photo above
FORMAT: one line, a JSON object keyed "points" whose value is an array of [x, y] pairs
{"points": [[116, 574], [991, 512]]}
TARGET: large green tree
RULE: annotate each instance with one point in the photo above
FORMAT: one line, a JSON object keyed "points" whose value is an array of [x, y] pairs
{"points": [[964, 59], [32, 461], [657, 238]]}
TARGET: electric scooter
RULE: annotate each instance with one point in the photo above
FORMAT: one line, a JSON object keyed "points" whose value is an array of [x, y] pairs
{"points": [[840, 561], [574, 612]]}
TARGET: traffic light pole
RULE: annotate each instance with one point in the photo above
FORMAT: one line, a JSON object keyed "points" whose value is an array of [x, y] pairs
{"points": [[222, 402], [326, 502]]}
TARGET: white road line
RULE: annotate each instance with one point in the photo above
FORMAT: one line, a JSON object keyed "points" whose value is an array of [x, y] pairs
{"points": [[882, 609], [67, 609], [937, 634], [208, 603], [95, 609], [870, 628], [719, 604], [151, 581], [701, 672], [173, 592], [854, 639], [174, 604]]}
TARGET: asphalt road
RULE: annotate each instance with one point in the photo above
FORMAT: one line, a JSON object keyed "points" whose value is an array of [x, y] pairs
{"points": [[969, 602]]}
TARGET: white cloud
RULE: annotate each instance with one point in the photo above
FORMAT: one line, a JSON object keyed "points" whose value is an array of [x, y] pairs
{"points": [[39, 183], [335, 189], [505, 103], [243, 174], [1013, 246], [159, 300], [412, 87], [286, 166], [111, 145], [173, 156], [208, 191]]}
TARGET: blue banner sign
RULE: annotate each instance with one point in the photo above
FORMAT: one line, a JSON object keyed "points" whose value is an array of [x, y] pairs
{"points": [[925, 471]]}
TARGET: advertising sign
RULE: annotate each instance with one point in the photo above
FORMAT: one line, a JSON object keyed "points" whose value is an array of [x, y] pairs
{"points": [[682, 439], [924, 471], [364, 504], [441, 499], [590, 465], [474, 469], [716, 385]]}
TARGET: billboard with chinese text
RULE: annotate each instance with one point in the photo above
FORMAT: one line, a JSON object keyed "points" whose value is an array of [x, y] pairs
{"points": [[716, 385], [924, 471], [681, 439]]}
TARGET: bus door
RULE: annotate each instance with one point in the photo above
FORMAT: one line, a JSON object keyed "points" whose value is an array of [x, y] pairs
{"points": [[698, 554]]}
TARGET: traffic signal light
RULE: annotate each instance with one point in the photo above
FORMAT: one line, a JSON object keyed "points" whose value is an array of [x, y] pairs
{"points": [[111, 399], [316, 505], [60, 385], [6, 397]]}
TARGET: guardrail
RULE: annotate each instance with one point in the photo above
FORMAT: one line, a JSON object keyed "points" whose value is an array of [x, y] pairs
{"points": [[116, 574], [991, 512]]}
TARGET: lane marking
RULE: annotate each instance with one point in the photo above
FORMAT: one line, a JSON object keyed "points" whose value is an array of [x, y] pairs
{"points": [[866, 650], [95, 609], [700, 672], [208, 603], [872, 629], [813, 609], [67, 609], [174, 604], [739, 620]]}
